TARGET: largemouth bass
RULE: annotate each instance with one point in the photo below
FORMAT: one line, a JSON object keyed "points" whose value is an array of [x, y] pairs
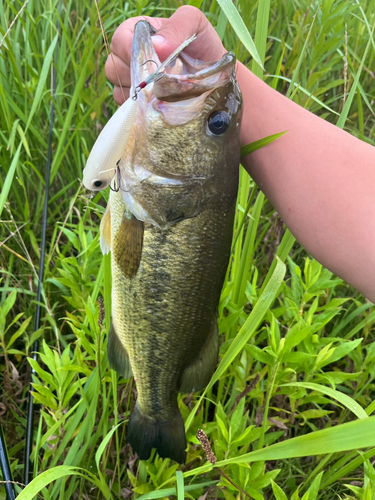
{"points": [[169, 228]]}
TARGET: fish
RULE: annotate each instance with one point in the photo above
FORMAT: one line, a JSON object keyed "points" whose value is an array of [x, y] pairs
{"points": [[169, 229]]}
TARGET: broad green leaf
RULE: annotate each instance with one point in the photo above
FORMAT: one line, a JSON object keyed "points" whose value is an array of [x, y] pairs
{"points": [[342, 398], [342, 350], [8, 304], [45, 478], [278, 492], [314, 487], [103, 444]]}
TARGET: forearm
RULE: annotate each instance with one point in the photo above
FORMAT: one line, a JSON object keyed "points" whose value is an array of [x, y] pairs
{"points": [[319, 178]]}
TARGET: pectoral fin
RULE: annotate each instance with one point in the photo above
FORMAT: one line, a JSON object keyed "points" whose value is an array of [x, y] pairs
{"points": [[117, 355], [197, 375], [105, 231], [127, 245]]}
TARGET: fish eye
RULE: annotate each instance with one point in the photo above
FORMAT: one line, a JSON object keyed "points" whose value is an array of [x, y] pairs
{"points": [[218, 122], [98, 184]]}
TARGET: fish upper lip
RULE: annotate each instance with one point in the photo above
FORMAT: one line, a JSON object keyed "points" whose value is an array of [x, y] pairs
{"points": [[143, 50]]}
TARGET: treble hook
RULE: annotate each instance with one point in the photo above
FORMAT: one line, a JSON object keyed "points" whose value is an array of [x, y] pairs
{"points": [[118, 187]]}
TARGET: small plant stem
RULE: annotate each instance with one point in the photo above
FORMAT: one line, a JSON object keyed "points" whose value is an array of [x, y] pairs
{"points": [[234, 484], [265, 415], [244, 393], [220, 391], [114, 388]]}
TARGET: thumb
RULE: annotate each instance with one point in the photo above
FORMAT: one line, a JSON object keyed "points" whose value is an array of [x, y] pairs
{"points": [[186, 21]]}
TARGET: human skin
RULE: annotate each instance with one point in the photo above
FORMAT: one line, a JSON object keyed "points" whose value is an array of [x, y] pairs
{"points": [[320, 179]]}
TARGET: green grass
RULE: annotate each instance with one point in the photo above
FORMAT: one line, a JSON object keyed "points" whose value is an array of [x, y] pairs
{"points": [[284, 318]]}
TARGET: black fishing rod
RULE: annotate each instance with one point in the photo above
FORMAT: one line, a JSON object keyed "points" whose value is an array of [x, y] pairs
{"points": [[5, 468], [28, 472]]}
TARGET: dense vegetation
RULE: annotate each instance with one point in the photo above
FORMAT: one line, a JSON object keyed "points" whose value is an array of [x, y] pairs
{"points": [[297, 336]]}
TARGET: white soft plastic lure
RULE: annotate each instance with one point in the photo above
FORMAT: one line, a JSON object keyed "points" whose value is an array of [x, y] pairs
{"points": [[109, 147]]}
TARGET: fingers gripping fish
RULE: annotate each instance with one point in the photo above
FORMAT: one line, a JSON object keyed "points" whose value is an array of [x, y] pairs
{"points": [[169, 230]]}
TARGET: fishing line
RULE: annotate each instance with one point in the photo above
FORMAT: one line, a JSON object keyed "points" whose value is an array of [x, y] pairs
{"points": [[28, 474]]}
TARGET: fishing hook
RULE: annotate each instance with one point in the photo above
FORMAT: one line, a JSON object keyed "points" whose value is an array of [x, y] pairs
{"points": [[114, 188], [117, 188]]}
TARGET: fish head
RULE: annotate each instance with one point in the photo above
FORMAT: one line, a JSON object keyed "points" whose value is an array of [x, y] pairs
{"points": [[185, 149]]}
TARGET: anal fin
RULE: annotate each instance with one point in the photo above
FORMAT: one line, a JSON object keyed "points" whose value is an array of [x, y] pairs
{"points": [[197, 375], [117, 355], [127, 245]]}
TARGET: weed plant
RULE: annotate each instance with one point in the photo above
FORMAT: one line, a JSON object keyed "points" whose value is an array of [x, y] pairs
{"points": [[290, 404]]}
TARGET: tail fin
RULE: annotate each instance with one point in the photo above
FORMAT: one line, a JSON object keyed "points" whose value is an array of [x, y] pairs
{"points": [[167, 436]]}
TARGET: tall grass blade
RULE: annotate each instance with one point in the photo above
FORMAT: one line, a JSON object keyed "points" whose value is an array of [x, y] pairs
{"points": [[261, 31], [42, 80], [345, 437], [167, 492], [253, 146], [240, 28], [180, 485], [103, 445], [300, 59], [196, 3], [9, 179], [344, 114]]}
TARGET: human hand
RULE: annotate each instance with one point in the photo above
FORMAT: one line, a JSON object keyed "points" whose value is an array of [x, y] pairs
{"points": [[171, 32]]}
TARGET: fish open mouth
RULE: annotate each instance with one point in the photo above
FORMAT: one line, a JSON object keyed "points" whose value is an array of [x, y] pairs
{"points": [[186, 78]]}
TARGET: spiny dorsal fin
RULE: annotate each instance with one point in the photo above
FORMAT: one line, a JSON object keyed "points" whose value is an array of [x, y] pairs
{"points": [[105, 231], [127, 245]]}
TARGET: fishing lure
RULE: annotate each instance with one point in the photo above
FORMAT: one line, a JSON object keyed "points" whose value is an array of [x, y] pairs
{"points": [[103, 161], [109, 147]]}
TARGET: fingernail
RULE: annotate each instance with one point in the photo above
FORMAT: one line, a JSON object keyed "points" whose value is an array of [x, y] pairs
{"points": [[158, 39]]}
